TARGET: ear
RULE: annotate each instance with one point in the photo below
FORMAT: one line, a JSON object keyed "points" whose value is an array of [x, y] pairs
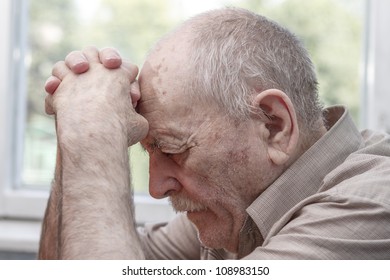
{"points": [[280, 124]]}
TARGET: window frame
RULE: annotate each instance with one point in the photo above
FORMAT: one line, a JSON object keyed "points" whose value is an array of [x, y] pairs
{"points": [[375, 93], [16, 201]]}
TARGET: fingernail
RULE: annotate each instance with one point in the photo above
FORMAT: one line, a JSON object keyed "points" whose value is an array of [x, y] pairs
{"points": [[78, 62], [112, 57]]}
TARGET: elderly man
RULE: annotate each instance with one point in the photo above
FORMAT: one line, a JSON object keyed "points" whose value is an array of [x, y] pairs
{"points": [[229, 113]]}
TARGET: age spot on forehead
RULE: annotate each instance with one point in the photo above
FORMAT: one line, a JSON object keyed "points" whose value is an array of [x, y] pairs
{"points": [[149, 71], [215, 136]]}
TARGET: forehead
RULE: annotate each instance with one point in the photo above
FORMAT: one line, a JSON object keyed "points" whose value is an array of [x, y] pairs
{"points": [[174, 118], [162, 91], [163, 102], [165, 80], [168, 60]]}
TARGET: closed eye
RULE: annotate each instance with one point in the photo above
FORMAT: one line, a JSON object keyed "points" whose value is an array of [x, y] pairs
{"points": [[170, 151]]}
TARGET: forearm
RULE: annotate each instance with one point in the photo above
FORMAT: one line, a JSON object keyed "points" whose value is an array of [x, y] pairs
{"points": [[49, 247], [97, 204]]}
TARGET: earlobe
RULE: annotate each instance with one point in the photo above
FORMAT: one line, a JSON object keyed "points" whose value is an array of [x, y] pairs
{"points": [[280, 123]]}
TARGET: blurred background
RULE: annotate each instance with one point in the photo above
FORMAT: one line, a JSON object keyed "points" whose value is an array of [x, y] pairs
{"points": [[341, 36]]}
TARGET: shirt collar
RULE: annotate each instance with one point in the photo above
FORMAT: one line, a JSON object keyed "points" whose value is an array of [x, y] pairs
{"points": [[303, 178]]}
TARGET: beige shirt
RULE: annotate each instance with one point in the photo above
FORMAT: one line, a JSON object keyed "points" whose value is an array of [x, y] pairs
{"points": [[332, 203]]}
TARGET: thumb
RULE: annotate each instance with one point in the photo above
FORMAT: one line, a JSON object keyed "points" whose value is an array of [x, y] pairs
{"points": [[138, 128]]}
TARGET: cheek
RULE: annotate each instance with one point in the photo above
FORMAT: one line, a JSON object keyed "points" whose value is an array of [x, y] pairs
{"points": [[237, 175], [206, 173], [215, 166], [199, 163], [215, 178], [237, 163]]}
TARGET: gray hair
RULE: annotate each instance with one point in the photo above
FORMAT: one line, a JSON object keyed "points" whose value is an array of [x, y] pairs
{"points": [[236, 53]]}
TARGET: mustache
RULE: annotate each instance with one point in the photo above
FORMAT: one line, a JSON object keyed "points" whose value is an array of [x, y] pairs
{"points": [[182, 203]]}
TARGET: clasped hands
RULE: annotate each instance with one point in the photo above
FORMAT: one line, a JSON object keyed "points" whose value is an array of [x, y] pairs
{"points": [[95, 93]]}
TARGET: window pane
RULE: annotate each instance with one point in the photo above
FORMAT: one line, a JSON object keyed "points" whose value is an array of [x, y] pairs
{"points": [[331, 30]]}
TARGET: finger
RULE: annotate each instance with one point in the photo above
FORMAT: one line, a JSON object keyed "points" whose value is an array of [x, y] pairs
{"points": [[60, 70], [131, 68], [138, 128], [77, 62], [49, 104], [52, 84], [92, 54], [110, 58], [135, 93]]}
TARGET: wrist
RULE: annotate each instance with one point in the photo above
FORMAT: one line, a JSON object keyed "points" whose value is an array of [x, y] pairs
{"points": [[87, 135]]}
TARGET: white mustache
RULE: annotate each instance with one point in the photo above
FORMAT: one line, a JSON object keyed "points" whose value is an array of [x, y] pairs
{"points": [[184, 204]]}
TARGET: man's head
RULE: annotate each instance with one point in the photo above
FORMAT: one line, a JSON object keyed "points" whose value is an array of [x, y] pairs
{"points": [[231, 102]]}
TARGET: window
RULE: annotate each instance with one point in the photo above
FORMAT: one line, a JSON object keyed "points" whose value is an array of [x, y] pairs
{"points": [[39, 33]]}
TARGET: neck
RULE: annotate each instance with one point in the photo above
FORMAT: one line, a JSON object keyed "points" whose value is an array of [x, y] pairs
{"points": [[308, 138]]}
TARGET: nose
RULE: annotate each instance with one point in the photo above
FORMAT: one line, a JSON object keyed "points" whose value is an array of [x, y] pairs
{"points": [[162, 179]]}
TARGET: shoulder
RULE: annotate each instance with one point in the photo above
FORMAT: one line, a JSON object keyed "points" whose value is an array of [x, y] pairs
{"points": [[365, 173], [330, 225], [176, 239], [348, 218]]}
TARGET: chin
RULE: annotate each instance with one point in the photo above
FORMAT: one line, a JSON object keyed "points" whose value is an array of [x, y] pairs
{"points": [[211, 233]]}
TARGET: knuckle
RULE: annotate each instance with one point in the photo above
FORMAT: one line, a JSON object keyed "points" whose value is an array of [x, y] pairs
{"points": [[58, 64], [57, 67], [72, 54], [110, 58]]}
